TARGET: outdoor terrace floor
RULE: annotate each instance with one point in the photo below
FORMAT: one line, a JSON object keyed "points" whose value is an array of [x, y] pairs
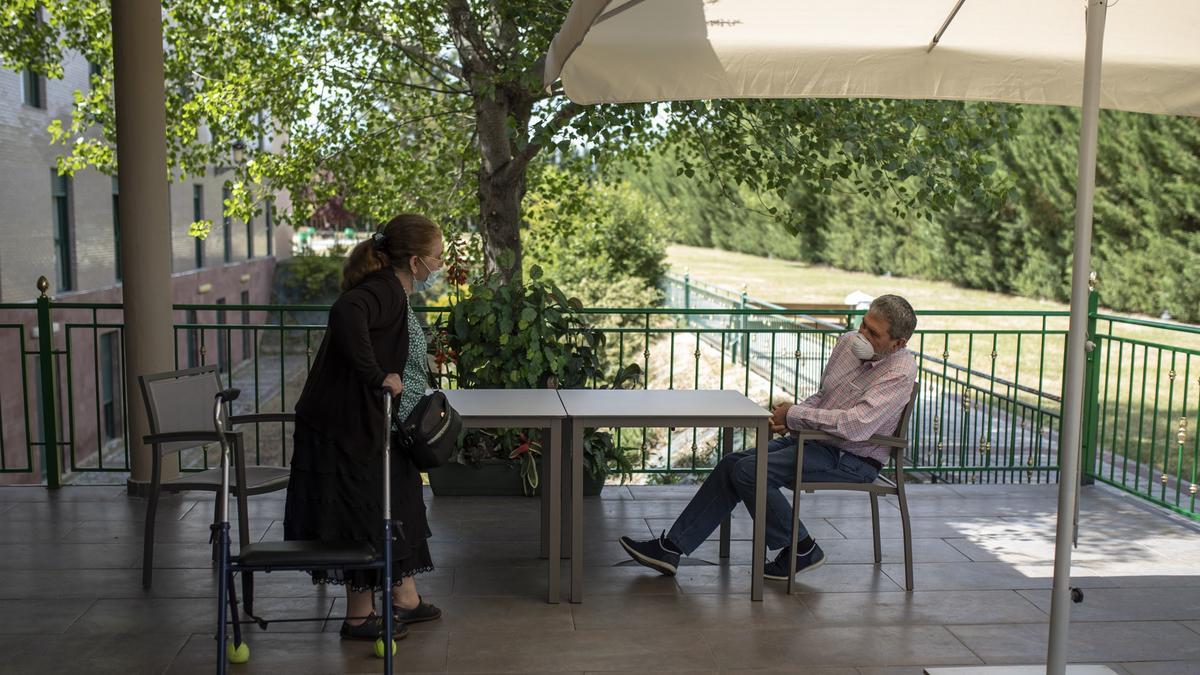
{"points": [[71, 600]]}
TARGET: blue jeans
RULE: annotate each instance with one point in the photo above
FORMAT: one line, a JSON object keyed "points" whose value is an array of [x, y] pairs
{"points": [[733, 480]]}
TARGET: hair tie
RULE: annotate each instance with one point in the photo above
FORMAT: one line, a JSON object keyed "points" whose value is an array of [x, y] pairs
{"points": [[378, 241]]}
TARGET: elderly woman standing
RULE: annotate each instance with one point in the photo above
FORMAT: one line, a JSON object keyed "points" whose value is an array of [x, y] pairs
{"points": [[373, 341]]}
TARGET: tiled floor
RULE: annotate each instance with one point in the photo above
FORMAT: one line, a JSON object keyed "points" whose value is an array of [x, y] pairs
{"points": [[71, 599]]}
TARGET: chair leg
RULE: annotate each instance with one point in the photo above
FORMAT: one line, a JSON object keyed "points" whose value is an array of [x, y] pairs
{"points": [[791, 580], [908, 555], [148, 541], [875, 526]]}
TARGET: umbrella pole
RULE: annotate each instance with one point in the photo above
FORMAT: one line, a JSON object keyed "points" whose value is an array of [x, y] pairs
{"points": [[1068, 478]]}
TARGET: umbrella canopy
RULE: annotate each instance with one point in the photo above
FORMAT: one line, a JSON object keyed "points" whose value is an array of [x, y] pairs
{"points": [[1021, 51]]}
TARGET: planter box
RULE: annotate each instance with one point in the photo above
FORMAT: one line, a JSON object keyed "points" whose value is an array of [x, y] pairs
{"points": [[494, 479]]}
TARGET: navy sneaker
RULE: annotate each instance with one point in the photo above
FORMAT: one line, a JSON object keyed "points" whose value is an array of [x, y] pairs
{"points": [[653, 554], [778, 568]]}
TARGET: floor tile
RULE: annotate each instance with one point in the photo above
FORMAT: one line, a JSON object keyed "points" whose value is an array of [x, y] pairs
{"points": [[42, 616], [591, 650], [1089, 641], [1129, 604], [840, 645], [1162, 668], [922, 607], [969, 576], [687, 612], [892, 550], [95, 654]]}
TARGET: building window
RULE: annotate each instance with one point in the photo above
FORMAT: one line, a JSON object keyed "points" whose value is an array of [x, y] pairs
{"points": [[227, 222], [116, 202], [247, 341], [35, 89], [193, 349], [222, 339], [60, 190], [197, 216], [269, 218], [110, 390]]}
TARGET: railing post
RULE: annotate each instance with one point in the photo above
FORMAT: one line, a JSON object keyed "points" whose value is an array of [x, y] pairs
{"points": [[687, 296], [742, 321], [51, 466], [1091, 388]]}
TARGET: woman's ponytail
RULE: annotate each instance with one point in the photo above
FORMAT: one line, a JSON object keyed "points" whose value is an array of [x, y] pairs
{"points": [[405, 235]]}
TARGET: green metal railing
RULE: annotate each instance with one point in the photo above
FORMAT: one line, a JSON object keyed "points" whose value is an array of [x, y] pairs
{"points": [[989, 408], [1142, 420]]}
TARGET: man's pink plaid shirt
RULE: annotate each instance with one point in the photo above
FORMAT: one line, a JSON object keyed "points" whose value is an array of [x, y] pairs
{"points": [[858, 399]]}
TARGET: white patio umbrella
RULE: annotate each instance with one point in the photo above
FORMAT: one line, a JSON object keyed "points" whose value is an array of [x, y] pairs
{"points": [[1020, 51]]}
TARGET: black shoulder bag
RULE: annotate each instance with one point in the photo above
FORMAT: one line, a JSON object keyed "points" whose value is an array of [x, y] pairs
{"points": [[430, 433]]}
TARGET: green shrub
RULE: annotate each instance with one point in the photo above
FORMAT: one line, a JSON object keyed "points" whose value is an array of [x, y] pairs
{"points": [[616, 234], [504, 335]]}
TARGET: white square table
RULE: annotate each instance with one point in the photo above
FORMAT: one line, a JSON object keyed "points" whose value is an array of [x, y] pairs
{"points": [[531, 409], [591, 408]]}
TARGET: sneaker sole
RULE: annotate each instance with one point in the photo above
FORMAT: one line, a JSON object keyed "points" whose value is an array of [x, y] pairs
{"points": [[798, 572], [653, 563]]}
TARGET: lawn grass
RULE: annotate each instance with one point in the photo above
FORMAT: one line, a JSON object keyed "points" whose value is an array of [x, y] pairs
{"points": [[1139, 411]]}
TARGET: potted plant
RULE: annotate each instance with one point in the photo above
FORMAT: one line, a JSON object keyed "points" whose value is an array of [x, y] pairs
{"points": [[504, 335]]}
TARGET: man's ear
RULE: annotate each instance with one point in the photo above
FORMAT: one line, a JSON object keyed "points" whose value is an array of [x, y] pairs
{"points": [[901, 343]]}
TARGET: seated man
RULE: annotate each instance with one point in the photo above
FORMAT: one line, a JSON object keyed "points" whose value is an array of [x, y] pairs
{"points": [[865, 386]]}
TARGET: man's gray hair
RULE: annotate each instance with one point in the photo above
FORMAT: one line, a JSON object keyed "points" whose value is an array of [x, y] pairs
{"points": [[902, 321]]}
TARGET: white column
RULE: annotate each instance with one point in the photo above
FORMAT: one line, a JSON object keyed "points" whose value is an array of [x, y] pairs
{"points": [[145, 221]]}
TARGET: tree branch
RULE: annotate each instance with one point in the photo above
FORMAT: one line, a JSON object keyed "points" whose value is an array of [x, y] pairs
{"points": [[518, 163], [402, 83], [470, 43]]}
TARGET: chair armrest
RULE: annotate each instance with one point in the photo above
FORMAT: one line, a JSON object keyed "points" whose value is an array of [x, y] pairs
{"points": [[185, 436], [814, 435], [253, 418], [889, 441]]}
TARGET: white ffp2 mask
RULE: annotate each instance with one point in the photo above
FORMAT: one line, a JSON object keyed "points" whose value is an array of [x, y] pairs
{"points": [[861, 348]]}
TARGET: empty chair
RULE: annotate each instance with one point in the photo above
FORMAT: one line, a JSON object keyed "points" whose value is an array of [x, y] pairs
{"points": [[179, 421]]}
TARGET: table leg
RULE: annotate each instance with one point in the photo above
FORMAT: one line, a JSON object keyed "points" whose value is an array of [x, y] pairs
{"points": [[552, 495], [576, 512], [726, 448], [759, 554], [544, 467]]}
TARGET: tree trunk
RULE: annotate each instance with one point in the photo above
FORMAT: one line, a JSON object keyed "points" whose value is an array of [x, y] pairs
{"points": [[501, 180], [500, 215]]}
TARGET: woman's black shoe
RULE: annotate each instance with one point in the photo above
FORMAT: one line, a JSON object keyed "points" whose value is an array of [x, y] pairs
{"points": [[422, 612], [372, 629]]}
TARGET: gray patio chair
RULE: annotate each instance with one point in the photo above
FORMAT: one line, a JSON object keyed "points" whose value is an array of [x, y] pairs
{"points": [[898, 442], [177, 405]]}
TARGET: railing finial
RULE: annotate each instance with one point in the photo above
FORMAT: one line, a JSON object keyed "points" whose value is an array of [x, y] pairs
{"points": [[43, 285]]}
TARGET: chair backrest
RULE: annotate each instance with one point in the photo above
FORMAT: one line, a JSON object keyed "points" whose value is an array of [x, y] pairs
{"points": [[906, 415], [180, 400]]}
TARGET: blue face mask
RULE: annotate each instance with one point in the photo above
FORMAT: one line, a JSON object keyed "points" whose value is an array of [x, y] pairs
{"points": [[422, 285]]}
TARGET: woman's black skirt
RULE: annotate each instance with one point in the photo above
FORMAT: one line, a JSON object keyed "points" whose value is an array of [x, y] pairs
{"points": [[336, 495]]}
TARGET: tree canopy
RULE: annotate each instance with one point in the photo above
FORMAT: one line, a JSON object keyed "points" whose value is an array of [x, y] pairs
{"points": [[438, 107]]}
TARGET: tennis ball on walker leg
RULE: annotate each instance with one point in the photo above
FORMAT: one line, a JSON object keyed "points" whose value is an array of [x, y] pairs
{"points": [[379, 647], [238, 654]]}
